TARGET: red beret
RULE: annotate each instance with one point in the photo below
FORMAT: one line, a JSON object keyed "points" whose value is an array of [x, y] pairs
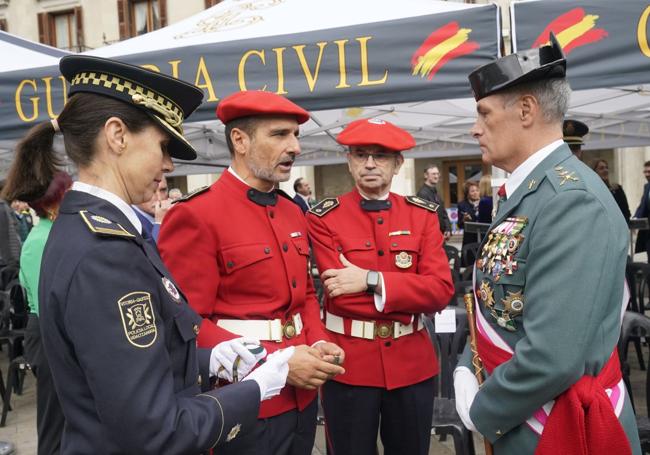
{"points": [[376, 132], [257, 102]]}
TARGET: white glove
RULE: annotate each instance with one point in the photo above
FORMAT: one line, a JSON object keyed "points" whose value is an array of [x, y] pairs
{"points": [[233, 359], [466, 387], [272, 376]]}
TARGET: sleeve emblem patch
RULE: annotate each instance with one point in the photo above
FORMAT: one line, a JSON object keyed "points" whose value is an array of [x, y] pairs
{"points": [[171, 289], [138, 319]]}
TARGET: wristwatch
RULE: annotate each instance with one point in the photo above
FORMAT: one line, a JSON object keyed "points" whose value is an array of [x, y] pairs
{"points": [[372, 281]]}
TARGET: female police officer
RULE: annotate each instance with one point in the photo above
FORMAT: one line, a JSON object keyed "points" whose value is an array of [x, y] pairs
{"points": [[118, 333]]}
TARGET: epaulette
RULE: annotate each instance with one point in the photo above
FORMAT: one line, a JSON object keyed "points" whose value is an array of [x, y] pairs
{"points": [[422, 203], [283, 194], [191, 194], [101, 225], [325, 206], [563, 178]]}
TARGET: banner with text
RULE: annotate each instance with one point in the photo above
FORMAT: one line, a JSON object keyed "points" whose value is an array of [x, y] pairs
{"points": [[426, 57]]}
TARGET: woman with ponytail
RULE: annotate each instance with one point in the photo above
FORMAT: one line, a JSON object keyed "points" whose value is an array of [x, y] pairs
{"points": [[118, 334]]}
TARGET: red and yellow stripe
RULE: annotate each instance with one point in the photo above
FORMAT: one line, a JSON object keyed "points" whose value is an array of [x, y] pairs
{"points": [[572, 29], [444, 44]]}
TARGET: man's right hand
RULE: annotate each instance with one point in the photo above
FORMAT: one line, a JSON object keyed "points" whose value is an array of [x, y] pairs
{"points": [[307, 369]]}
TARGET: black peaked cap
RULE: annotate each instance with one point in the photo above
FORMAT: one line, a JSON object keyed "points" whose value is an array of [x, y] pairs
{"points": [[546, 62], [168, 101]]}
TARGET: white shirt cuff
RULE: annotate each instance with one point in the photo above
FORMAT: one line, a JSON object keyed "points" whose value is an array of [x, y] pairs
{"points": [[380, 300]]}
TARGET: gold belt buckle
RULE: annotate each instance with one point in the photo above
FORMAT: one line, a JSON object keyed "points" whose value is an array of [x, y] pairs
{"points": [[289, 329], [384, 330]]}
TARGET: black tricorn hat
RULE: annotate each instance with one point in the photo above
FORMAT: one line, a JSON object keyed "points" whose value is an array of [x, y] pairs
{"points": [[168, 101], [573, 131], [546, 62]]}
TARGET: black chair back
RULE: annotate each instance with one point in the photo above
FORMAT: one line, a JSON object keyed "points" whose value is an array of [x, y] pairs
{"points": [[445, 419], [453, 257], [448, 347]]}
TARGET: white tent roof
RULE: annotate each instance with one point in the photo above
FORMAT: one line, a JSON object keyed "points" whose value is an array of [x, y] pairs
{"points": [[434, 124], [617, 117], [20, 54], [233, 20]]}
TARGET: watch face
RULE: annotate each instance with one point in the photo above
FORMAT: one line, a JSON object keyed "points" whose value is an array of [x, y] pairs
{"points": [[373, 278]]}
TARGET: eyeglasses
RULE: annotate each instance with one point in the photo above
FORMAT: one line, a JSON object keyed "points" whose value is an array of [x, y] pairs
{"points": [[379, 158]]}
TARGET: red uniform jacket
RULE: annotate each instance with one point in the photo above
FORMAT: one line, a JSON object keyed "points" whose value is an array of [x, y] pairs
{"points": [[236, 259], [372, 240]]}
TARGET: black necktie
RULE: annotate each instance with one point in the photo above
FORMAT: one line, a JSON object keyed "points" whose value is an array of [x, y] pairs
{"points": [[262, 198], [374, 205]]}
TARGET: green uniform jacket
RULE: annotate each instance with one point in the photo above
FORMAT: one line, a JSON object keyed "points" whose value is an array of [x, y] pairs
{"points": [[555, 279]]}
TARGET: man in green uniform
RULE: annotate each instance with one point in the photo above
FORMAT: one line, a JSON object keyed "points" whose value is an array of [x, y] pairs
{"points": [[549, 279]]}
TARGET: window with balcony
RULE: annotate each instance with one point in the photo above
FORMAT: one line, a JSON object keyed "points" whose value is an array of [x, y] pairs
{"points": [[137, 17], [3, 25], [62, 29]]}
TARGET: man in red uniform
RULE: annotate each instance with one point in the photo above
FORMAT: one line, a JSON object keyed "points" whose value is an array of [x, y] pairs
{"points": [[383, 267], [239, 250]]}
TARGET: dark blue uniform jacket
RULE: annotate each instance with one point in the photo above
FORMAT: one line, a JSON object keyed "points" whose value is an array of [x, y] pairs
{"points": [[121, 342]]}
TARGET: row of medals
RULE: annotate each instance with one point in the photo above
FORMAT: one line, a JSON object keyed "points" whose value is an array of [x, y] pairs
{"points": [[497, 258]]}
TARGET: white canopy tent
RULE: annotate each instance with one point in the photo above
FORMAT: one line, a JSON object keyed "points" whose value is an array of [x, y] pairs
{"points": [[440, 127]]}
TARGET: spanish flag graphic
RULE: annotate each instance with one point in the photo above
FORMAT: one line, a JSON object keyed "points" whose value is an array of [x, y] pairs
{"points": [[573, 29], [444, 44]]}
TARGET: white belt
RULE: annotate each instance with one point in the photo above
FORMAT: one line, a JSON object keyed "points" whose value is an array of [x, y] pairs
{"points": [[263, 329], [371, 329]]}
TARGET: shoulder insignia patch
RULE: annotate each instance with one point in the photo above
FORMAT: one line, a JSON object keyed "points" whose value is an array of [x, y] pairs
{"points": [[422, 203], [101, 225], [565, 175], [191, 194], [325, 206], [138, 318], [283, 194]]}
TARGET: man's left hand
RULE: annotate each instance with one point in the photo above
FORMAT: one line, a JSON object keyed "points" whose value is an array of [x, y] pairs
{"points": [[348, 280], [330, 352], [161, 208]]}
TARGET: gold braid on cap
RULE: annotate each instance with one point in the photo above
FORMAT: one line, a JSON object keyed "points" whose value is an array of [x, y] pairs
{"points": [[169, 116], [166, 109]]}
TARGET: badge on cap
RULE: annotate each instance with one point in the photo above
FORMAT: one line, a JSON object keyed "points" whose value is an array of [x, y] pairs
{"points": [[403, 260], [169, 286]]}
